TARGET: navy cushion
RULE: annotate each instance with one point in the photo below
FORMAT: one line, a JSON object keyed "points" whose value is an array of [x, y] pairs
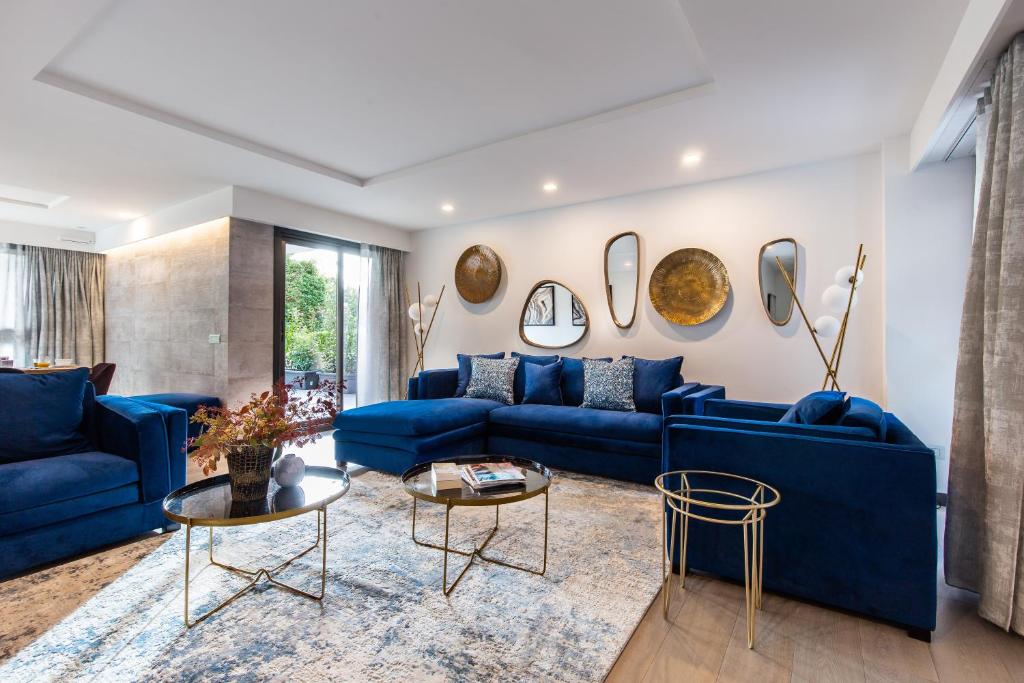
{"points": [[608, 424], [860, 412], [44, 417], [466, 369], [572, 380], [416, 418], [543, 383], [34, 483], [819, 407], [519, 386], [652, 378]]}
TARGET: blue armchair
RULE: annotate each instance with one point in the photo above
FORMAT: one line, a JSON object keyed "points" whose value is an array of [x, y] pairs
{"points": [[856, 528], [78, 471]]}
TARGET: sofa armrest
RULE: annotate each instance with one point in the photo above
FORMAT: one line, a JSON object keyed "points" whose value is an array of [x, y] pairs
{"points": [[178, 432], [743, 410], [693, 403], [790, 428], [672, 401], [139, 431], [437, 383]]}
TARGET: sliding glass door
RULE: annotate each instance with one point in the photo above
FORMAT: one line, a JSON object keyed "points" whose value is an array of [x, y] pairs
{"points": [[316, 312]]}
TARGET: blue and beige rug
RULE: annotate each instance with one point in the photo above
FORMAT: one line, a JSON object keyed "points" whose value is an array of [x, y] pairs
{"points": [[384, 617]]}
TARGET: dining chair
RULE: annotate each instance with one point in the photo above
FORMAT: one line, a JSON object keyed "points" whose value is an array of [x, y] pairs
{"points": [[101, 376]]}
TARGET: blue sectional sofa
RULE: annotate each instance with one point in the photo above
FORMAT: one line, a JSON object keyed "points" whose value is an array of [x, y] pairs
{"points": [[433, 424], [856, 527], [78, 471]]}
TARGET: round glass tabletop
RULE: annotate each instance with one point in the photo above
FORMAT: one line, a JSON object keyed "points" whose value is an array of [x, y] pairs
{"points": [[419, 484], [208, 502]]}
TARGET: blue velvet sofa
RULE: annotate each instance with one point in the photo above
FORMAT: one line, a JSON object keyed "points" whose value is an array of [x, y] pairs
{"points": [[856, 526], [78, 471], [432, 424]]}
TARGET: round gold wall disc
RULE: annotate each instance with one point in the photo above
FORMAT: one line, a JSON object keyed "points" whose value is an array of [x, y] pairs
{"points": [[689, 286], [478, 274]]}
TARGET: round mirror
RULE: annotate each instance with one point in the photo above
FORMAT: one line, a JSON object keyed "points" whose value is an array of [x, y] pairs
{"points": [[776, 295], [622, 277], [553, 316]]}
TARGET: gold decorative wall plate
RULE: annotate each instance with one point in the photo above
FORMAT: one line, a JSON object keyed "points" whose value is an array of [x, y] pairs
{"points": [[689, 286], [478, 274]]}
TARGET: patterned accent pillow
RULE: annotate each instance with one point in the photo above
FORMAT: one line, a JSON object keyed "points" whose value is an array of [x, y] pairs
{"points": [[608, 386], [493, 378]]}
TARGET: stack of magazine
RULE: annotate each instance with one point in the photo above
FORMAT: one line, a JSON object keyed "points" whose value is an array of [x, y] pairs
{"points": [[485, 476]]}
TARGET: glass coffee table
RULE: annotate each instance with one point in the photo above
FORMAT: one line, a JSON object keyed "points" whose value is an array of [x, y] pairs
{"points": [[208, 503], [418, 484]]}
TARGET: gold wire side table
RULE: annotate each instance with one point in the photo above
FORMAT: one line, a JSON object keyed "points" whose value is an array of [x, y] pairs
{"points": [[745, 507], [208, 503], [418, 484]]}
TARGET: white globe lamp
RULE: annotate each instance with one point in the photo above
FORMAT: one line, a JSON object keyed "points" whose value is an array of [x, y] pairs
{"points": [[415, 313], [835, 298], [429, 301], [826, 326], [844, 277]]}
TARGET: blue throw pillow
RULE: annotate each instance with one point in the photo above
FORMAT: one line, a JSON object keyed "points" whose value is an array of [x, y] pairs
{"points": [[861, 412], [651, 379], [44, 417], [466, 368], [572, 380], [519, 387], [818, 408], [543, 383]]}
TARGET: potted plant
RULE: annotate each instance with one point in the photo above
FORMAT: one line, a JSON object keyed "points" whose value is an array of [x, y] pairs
{"points": [[249, 436]]}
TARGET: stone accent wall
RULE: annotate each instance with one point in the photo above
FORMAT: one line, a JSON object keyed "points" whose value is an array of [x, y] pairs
{"points": [[168, 294]]}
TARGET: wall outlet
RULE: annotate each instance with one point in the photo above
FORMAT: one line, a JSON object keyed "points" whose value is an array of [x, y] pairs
{"points": [[215, 339], [940, 452]]}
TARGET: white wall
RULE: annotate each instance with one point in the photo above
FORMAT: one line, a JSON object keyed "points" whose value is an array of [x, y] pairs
{"points": [[828, 208], [45, 236], [928, 229]]}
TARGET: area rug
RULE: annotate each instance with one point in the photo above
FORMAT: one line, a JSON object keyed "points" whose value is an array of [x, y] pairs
{"points": [[384, 617]]}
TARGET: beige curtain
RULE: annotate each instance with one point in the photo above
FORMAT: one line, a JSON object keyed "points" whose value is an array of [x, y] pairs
{"points": [[58, 301], [383, 331], [984, 525]]}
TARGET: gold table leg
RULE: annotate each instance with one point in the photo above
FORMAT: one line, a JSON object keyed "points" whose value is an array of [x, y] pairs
{"points": [[255, 575], [477, 551]]}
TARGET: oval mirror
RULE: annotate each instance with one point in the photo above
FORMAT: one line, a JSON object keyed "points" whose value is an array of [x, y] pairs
{"points": [[776, 295], [622, 277], [553, 316]]}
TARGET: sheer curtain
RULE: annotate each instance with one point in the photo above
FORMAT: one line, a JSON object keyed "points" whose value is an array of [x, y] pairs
{"points": [[382, 346], [51, 304], [984, 521]]}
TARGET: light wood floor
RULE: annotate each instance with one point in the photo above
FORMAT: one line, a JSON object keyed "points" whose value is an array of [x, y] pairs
{"points": [[704, 639]]}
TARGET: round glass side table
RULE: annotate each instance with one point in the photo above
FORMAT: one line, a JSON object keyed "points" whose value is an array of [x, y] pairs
{"points": [[208, 503], [717, 498]]}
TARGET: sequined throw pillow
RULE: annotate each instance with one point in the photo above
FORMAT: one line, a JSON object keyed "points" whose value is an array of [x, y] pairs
{"points": [[608, 386], [492, 378]]}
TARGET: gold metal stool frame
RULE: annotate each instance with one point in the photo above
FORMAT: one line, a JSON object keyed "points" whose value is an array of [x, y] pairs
{"points": [[754, 509], [254, 576]]}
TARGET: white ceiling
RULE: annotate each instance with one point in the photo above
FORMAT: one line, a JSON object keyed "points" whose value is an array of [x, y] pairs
{"points": [[387, 110]]}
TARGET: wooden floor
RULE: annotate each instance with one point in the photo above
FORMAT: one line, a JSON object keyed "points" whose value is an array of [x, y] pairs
{"points": [[704, 639]]}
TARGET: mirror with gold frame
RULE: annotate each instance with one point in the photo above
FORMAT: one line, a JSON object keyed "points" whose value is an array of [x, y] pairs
{"points": [[622, 277], [776, 296], [553, 316]]}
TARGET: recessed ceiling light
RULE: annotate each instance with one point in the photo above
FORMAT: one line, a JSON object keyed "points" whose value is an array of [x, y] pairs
{"points": [[447, 208], [691, 159], [550, 187]]}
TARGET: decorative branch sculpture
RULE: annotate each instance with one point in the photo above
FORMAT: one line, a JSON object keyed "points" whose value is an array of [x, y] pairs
{"points": [[421, 335]]}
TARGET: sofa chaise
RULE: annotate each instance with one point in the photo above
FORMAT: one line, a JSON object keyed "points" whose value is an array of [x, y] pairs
{"points": [[856, 526], [78, 471], [433, 424]]}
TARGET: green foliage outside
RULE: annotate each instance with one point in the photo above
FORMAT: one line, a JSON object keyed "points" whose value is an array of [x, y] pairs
{"points": [[311, 328]]}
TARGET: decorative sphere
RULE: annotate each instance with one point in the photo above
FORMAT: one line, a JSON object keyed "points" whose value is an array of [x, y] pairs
{"points": [[430, 301], [826, 326], [835, 298], [415, 312], [845, 274], [289, 470]]}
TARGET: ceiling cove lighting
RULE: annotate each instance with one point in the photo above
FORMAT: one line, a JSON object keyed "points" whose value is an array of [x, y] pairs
{"points": [[128, 215], [447, 207], [550, 187], [691, 159]]}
